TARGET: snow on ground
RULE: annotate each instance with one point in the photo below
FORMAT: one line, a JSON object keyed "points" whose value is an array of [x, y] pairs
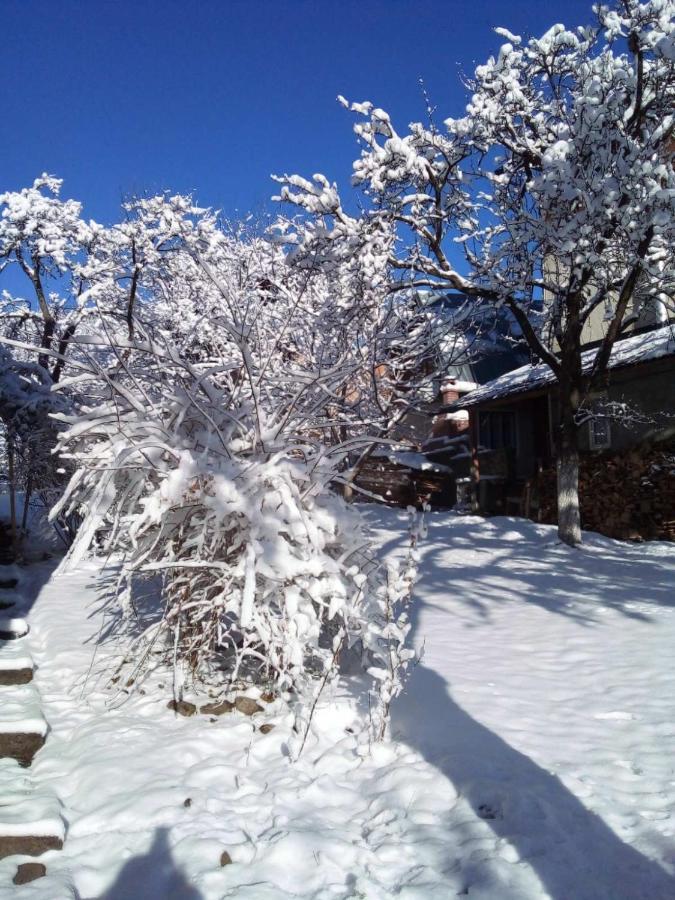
{"points": [[532, 753], [21, 710], [545, 694]]}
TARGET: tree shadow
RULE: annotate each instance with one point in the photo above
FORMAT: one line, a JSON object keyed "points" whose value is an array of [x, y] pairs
{"points": [[153, 874], [573, 852], [142, 607], [18, 601], [516, 560], [508, 560]]}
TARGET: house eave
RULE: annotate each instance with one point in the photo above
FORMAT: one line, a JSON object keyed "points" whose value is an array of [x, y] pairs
{"points": [[525, 392]]}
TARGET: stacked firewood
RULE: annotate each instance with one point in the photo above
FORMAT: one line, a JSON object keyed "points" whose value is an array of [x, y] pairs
{"points": [[630, 495], [399, 485]]}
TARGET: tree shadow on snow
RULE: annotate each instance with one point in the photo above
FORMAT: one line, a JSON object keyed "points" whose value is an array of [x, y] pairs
{"points": [[143, 605], [575, 855], [505, 560], [152, 875], [32, 578]]}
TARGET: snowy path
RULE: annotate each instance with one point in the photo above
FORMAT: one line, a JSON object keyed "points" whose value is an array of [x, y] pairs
{"points": [[533, 754]]}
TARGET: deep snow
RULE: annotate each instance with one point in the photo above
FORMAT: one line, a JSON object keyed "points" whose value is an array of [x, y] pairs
{"points": [[532, 754]]}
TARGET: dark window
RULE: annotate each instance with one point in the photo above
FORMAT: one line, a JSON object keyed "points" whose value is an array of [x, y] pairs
{"points": [[497, 430], [600, 436]]}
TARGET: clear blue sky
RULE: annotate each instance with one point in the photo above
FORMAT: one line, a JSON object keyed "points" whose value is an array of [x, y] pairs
{"points": [[123, 96]]}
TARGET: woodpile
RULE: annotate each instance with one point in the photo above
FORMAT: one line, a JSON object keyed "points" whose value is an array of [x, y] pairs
{"points": [[630, 495], [400, 485]]}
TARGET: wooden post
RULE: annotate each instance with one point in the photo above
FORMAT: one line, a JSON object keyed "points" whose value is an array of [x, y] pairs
{"points": [[475, 462]]}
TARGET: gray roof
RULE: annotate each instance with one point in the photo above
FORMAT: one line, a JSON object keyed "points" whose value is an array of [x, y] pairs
{"points": [[631, 350]]}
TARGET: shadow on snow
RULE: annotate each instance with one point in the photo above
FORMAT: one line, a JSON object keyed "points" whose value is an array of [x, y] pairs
{"points": [[575, 855], [515, 560], [152, 874]]}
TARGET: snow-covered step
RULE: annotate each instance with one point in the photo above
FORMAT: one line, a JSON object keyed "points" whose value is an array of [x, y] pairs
{"points": [[20, 706], [50, 881], [30, 819], [10, 576], [7, 599], [30, 825], [12, 628], [22, 725], [16, 664], [17, 785]]}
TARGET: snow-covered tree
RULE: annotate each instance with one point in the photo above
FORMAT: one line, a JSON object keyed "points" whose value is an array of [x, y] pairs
{"points": [[150, 267], [47, 240], [558, 184], [44, 238], [407, 331], [28, 434], [79, 277]]}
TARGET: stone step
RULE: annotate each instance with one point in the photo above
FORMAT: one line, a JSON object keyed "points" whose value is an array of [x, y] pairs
{"points": [[8, 598], [28, 844], [12, 628], [16, 665], [10, 575], [51, 886], [30, 827], [30, 820], [27, 872], [22, 727], [20, 745]]}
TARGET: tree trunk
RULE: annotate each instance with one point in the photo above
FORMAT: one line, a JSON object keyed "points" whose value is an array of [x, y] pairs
{"points": [[26, 501], [567, 466], [353, 471], [12, 489]]}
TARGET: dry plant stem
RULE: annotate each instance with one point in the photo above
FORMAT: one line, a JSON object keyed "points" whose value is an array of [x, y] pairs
{"points": [[329, 671]]}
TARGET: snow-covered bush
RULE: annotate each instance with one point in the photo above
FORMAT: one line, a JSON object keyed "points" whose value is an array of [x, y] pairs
{"points": [[387, 637], [211, 462]]}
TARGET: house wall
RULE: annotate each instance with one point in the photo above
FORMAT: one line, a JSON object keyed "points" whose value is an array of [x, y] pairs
{"points": [[648, 392], [595, 326], [652, 394], [649, 312], [533, 443]]}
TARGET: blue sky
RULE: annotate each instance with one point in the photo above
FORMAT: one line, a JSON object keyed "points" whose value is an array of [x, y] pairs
{"points": [[211, 97]]}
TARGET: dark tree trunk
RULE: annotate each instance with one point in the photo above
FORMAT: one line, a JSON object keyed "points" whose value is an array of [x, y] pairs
{"points": [[12, 489], [26, 502]]}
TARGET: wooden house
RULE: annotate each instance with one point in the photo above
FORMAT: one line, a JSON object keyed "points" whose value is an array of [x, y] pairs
{"points": [[512, 423]]}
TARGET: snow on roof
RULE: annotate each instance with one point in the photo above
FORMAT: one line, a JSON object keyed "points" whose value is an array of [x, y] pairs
{"points": [[627, 352]]}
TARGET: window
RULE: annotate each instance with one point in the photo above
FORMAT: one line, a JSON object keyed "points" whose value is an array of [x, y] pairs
{"points": [[599, 432], [497, 430]]}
